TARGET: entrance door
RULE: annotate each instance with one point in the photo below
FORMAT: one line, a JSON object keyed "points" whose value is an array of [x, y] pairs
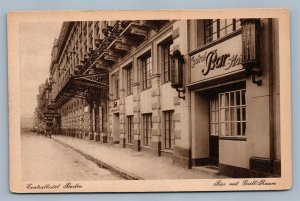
{"points": [[214, 132]]}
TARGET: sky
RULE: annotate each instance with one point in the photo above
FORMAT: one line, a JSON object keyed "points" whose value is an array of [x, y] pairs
{"points": [[35, 41]]}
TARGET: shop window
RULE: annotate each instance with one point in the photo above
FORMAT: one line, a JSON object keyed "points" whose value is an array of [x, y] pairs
{"points": [[147, 126], [169, 129], [166, 59], [146, 65], [129, 79], [228, 114], [217, 28], [130, 129], [233, 113]]}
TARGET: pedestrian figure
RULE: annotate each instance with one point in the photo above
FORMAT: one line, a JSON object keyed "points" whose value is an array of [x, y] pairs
{"points": [[48, 130], [40, 129]]}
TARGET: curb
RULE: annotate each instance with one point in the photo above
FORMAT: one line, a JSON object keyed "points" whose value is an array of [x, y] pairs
{"points": [[117, 170]]}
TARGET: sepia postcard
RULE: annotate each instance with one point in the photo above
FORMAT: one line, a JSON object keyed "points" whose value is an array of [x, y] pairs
{"points": [[149, 101]]}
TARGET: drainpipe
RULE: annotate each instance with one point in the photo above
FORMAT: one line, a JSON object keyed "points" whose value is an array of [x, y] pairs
{"points": [[271, 100], [189, 95]]}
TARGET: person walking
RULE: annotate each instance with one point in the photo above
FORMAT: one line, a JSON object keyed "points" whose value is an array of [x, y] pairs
{"points": [[48, 130]]}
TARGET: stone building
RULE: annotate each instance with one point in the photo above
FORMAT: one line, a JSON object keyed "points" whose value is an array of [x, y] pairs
{"points": [[203, 92]]}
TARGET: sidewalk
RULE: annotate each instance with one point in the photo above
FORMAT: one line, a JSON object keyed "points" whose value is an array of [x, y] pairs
{"points": [[132, 164]]}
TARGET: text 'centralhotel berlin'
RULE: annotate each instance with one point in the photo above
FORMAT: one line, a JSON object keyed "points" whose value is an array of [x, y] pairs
{"points": [[202, 92]]}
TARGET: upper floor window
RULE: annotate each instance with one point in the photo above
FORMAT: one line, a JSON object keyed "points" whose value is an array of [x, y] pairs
{"points": [[166, 57], [129, 79], [115, 85], [217, 28], [146, 63]]}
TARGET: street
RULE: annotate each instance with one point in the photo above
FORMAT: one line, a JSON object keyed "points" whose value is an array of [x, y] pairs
{"points": [[43, 159]]}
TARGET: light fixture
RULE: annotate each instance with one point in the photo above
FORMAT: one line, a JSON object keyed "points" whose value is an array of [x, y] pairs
{"points": [[251, 48], [177, 62]]}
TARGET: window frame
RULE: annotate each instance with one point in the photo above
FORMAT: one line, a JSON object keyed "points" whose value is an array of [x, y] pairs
{"points": [[147, 129], [166, 65], [169, 138], [239, 113], [145, 62], [115, 85], [129, 79], [130, 136], [230, 121], [213, 26]]}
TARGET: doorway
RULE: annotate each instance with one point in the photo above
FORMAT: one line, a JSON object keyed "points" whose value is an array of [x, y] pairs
{"points": [[214, 131], [116, 128]]}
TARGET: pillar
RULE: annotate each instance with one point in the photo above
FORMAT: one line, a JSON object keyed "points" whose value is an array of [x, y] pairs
{"points": [[97, 121], [122, 118], [92, 121], [156, 116], [104, 127], [136, 117]]}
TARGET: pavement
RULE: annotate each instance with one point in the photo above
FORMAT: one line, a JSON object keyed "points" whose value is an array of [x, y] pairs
{"points": [[131, 164], [43, 159]]}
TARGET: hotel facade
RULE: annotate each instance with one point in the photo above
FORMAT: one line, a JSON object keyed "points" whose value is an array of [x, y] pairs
{"points": [[203, 92]]}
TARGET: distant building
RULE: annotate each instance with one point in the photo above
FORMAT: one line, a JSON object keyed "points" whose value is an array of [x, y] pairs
{"points": [[114, 81]]}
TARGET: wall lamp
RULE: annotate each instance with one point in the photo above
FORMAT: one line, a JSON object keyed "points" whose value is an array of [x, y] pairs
{"points": [[177, 62], [251, 48]]}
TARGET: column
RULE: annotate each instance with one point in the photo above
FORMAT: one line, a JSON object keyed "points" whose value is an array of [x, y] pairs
{"points": [[97, 121], [104, 117], [122, 118], [136, 117], [92, 120], [181, 118], [156, 115]]}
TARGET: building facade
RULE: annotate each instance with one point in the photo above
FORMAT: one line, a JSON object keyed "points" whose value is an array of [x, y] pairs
{"points": [[117, 82]]}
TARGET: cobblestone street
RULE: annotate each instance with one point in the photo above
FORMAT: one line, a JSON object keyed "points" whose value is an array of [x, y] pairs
{"points": [[43, 159]]}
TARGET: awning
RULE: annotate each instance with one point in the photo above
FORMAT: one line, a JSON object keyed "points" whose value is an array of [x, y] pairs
{"points": [[82, 87]]}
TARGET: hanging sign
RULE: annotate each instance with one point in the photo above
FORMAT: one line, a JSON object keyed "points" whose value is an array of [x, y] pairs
{"points": [[222, 59]]}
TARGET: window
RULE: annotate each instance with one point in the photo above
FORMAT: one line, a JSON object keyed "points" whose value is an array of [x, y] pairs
{"points": [[146, 71], [115, 85], [130, 129], [168, 129], [228, 114], [233, 113], [147, 126], [129, 79], [217, 28], [166, 48]]}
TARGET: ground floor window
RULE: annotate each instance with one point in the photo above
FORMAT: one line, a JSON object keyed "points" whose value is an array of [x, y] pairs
{"points": [[130, 129], [228, 114], [147, 126], [168, 129]]}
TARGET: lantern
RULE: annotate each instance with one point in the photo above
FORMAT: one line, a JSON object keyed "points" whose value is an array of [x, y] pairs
{"points": [[177, 69], [177, 61], [251, 47]]}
